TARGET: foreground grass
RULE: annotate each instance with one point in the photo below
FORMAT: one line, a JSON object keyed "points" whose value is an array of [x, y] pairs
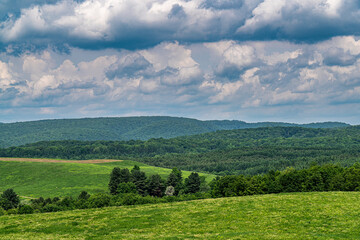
{"points": [[49, 179], [330, 215]]}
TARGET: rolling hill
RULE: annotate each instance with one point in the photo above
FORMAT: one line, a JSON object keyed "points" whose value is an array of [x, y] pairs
{"points": [[240, 151], [124, 128], [324, 215], [50, 179]]}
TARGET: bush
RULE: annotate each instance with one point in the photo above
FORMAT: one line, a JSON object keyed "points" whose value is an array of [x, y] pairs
{"points": [[99, 200], [84, 195], [82, 204], [170, 191], [2, 212], [52, 208], [25, 209], [66, 203], [130, 199], [5, 204], [12, 211]]}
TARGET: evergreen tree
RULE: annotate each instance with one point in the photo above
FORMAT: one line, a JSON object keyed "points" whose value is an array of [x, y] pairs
{"points": [[114, 180], [127, 187], [156, 186], [9, 199], [125, 175], [135, 168], [192, 183], [139, 179]]}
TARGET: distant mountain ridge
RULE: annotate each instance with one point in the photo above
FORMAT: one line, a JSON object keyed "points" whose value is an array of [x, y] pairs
{"points": [[126, 128]]}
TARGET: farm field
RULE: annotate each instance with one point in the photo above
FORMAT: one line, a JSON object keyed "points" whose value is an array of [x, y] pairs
{"points": [[325, 215], [50, 177]]}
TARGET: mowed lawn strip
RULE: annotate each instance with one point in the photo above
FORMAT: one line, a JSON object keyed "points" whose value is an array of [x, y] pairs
{"points": [[326, 215], [50, 179]]}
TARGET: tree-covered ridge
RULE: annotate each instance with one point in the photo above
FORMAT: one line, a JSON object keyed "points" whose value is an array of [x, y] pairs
{"points": [[124, 128], [245, 151]]}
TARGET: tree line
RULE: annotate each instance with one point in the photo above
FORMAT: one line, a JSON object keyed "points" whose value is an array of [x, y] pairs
{"points": [[328, 177], [246, 151], [131, 188]]}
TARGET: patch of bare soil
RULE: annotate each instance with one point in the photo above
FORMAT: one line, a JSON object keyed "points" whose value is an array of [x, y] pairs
{"points": [[57, 161]]}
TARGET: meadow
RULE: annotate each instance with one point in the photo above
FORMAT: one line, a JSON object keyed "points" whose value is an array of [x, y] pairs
{"points": [[66, 178], [315, 215]]}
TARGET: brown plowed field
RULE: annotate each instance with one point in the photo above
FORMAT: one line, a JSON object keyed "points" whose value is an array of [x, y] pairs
{"points": [[57, 161]]}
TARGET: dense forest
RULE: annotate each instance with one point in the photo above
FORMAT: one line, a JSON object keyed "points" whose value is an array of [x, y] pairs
{"points": [[124, 128], [244, 151]]}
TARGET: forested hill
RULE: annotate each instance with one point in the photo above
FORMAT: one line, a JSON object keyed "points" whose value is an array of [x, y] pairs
{"points": [[124, 128], [241, 151]]}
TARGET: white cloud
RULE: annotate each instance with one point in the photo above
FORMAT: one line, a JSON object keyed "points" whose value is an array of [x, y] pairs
{"points": [[176, 61], [232, 57], [276, 13], [173, 76], [282, 57], [5, 76]]}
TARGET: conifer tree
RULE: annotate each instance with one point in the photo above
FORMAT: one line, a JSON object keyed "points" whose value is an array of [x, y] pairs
{"points": [[192, 183], [114, 180]]}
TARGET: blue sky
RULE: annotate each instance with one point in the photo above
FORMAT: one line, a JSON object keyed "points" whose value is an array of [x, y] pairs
{"points": [[252, 60]]}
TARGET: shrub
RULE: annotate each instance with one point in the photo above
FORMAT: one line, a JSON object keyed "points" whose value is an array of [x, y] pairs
{"points": [[5, 204], [2, 212], [12, 211], [66, 203], [25, 209], [52, 208], [83, 195], [130, 199], [99, 200], [170, 190]]}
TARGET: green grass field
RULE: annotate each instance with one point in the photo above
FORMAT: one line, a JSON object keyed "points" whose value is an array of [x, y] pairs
{"points": [[327, 215], [48, 179]]}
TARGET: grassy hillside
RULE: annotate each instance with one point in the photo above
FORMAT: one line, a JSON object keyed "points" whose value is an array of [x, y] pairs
{"points": [[125, 128], [48, 179], [327, 215]]}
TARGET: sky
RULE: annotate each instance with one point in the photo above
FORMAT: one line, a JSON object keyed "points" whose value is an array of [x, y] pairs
{"points": [[251, 60]]}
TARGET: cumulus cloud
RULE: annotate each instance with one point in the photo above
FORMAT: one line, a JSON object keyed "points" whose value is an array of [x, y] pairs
{"points": [[135, 24], [235, 58], [299, 74], [126, 76], [302, 20], [174, 78]]}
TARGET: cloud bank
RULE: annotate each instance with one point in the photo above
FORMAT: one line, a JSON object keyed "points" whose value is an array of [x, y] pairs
{"points": [[225, 79], [136, 24], [254, 60]]}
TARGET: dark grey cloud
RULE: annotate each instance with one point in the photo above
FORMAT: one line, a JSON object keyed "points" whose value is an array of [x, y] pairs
{"points": [[132, 66], [136, 24], [337, 56], [223, 4], [8, 94], [177, 11], [13, 7], [302, 21]]}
